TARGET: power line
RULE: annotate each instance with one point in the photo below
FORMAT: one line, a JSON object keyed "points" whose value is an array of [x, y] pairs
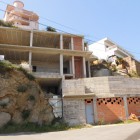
{"points": [[68, 27], [89, 40]]}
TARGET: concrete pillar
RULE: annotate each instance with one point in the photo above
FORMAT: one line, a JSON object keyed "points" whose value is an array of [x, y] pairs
{"points": [[31, 38], [83, 44], [61, 64], [73, 66], [30, 53], [126, 106], [70, 66], [84, 68], [30, 61], [72, 44], [61, 41], [89, 72], [95, 110]]}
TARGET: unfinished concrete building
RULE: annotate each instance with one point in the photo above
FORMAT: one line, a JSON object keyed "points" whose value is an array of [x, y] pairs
{"points": [[51, 56]]}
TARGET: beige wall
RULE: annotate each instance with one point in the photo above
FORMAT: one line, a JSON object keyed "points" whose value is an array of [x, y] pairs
{"points": [[74, 111], [102, 86]]}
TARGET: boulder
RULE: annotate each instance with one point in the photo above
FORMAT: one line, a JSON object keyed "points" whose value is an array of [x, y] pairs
{"points": [[14, 102], [4, 118], [4, 101]]}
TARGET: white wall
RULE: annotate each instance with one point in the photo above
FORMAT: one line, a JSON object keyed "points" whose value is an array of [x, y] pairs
{"points": [[98, 49]]}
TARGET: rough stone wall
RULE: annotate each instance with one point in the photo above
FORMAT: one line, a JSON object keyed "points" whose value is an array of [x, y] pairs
{"points": [[110, 110], [133, 65], [74, 111], [19, 105], [137, 67], [134, 105], [77, 41]]}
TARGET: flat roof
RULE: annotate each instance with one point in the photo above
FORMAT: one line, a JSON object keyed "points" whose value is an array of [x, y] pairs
{"points": [[42, 31]]}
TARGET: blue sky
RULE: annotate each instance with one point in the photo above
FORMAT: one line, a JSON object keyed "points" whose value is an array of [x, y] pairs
{"points": [[117, 19]]}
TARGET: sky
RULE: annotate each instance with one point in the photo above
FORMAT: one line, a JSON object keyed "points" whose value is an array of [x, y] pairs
{"points": [[118, 20]]}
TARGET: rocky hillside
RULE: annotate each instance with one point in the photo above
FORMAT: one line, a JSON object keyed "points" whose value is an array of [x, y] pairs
{"points": [[21, 99]]}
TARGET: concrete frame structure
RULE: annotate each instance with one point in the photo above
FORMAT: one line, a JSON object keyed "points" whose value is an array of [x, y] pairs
{"points": [[105, 48], [21, 18], [51, 56]]}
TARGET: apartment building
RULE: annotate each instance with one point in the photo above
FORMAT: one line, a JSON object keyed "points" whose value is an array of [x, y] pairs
{"points": [[20, 17], [51, 56], [105, 48]]}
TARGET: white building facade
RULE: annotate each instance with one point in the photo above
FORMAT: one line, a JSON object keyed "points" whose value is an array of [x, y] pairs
{"points": [[105, 48]]}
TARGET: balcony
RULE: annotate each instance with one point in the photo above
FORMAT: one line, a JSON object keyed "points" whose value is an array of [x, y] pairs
{"points": [[46, 75], [117, 50], [19, 19]]}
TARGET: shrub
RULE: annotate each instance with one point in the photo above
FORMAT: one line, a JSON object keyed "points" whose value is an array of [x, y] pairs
{"points": [[25, 114], [22, 88], [134, 74], [28, 75], [6, 66], [31, 98], [51, 29]]}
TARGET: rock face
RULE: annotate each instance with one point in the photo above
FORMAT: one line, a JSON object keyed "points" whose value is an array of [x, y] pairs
{"points": [[22, 100]]}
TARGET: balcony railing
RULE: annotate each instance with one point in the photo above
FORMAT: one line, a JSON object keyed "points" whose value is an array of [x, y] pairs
{"points": [[120, 49], [111, 47]]}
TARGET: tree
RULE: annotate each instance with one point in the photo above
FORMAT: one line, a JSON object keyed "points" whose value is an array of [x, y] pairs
{"points": [[51, 29]]}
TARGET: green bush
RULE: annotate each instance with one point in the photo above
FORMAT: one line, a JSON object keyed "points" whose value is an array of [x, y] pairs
{"points": [[28, 75], [31, 127], [22, 88], [50, 29], [6, 66], [31, 98], [25, 114]]}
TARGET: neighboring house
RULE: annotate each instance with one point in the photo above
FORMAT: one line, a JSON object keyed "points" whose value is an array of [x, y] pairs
{"points": [[105, 48], [51, 56], [110, 51], [21, 17]]}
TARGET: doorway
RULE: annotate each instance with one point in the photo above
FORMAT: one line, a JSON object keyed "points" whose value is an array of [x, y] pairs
{"points": [[89, 111]]}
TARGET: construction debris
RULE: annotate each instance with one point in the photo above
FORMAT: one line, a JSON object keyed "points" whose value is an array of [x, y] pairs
{"points": [[133, 117]]}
